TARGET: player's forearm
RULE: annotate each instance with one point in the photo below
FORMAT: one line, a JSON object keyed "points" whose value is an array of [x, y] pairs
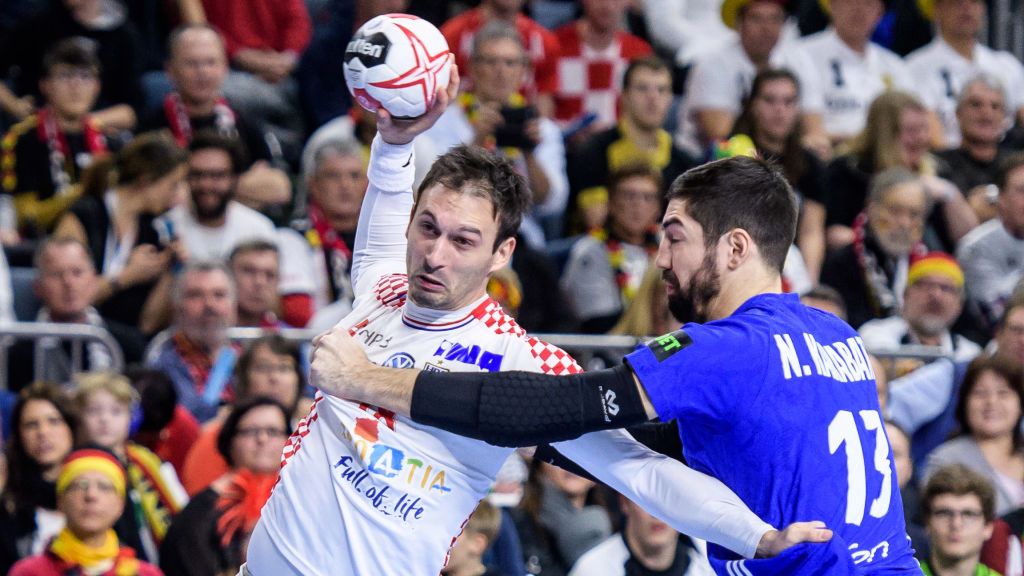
{"points": [[387, 388], [525, 408]]}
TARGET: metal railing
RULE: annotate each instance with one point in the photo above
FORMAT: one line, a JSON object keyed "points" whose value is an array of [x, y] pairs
{"points": [[77, 334]]}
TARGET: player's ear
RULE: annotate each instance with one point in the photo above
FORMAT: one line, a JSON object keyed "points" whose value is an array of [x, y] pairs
{"points": [[503, 254], [740, 247]]}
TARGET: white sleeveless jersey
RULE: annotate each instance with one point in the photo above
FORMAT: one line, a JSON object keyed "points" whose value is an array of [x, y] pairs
{"points": [[364, 492]]}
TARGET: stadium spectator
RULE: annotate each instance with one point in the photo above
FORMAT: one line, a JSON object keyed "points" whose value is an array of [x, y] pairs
{"points": [[989, 410], [65, 284], [910, 493], [932, 302], [771, 118], [991, 253], [719, 79], [42, 434], [825, 298], [867, 272], [167, 428], [648, 313], [851, 69], [605, 268], [108, 406], [116, 217], [103, 24], [197, 66], [271, 367], [45, 154], [940, 70], [924, 402], [494, 115], [211, 534], [317, 253], [644, 545], [685, 29], [91, 494], [254, 267], [896, 135], [638, 138], [958, 506], [198, 357], [538, 43], [213, 222], [974, 165], [594, 53], [479, 533]]}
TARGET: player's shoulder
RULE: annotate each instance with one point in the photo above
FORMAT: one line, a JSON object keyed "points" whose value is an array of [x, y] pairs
{"points": [[526, 351]]}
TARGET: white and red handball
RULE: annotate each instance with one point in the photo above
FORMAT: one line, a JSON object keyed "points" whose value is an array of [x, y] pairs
{"points": [[397, 61]]}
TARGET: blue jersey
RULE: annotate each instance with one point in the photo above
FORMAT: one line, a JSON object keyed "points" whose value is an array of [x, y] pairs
{"points": [[778, 401]]}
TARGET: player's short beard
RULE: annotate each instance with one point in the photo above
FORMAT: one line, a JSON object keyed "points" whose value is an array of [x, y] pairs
{"points": [[692, 304]]}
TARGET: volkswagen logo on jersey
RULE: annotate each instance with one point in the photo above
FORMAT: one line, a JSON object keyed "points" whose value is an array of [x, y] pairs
{"points": [[400, 360]]}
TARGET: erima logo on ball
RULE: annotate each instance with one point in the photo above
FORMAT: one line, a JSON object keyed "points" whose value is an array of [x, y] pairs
{"points": [[370, 50]]}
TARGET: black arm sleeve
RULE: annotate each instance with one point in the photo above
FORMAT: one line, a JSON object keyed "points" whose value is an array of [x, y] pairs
{"points": [[526, 408]]}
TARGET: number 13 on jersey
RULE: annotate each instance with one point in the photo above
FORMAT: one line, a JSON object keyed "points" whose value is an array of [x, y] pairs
{"points": [[842, 431]]}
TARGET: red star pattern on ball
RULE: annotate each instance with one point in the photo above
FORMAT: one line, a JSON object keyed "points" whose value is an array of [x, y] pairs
{"points": [[424, 72]]}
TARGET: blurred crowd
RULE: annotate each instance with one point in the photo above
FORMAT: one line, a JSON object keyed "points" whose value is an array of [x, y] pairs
{"points": [[173, 169]]}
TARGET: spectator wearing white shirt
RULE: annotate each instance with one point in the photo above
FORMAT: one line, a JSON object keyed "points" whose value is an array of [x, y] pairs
{"points": [[941, 69], [720, 80], [851, 69], [213, 223], [686, 28]]}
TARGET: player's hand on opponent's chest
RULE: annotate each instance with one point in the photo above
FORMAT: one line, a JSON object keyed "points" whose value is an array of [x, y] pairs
{"points": [[340, 368], [775, 542]]}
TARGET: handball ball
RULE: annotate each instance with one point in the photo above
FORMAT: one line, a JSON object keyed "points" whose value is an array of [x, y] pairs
{"points": [[397, 61]]}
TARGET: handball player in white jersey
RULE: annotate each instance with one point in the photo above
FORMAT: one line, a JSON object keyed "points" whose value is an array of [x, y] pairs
{"points": [[363, 492]]}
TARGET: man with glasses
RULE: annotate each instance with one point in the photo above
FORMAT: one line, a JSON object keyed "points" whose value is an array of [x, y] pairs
{"points": [[959, 507], [213, 223]]}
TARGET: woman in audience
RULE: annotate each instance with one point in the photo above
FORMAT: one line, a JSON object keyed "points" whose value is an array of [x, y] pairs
{"points": [[211, 534], [117, 218], [108, 408], [771, 118], [42, 434], [989, 411], [270, 367], [896, 134]]}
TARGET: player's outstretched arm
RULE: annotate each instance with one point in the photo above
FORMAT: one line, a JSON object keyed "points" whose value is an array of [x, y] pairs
{"points": [[384, 216], [502, 408]]}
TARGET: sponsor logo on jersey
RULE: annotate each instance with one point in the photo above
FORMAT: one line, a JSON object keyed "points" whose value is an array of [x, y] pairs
{"points": [[428, 367], [665, 346], [400, 360], [472, 355], [372, 338]]}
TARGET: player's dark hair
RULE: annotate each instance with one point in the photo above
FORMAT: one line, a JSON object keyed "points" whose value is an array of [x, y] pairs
{"points": [[1008, 165], [741, 192], [652, 63], [278, 346], [76, 52], [959, 480], [1008, 370], [229, 431], [208, 139], [478, 172]]}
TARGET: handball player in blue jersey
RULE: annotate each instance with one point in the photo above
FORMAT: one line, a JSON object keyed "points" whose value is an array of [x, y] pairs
{"points": [[775, 399]]}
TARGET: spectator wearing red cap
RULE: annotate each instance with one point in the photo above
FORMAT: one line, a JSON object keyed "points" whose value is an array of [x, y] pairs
{"points": [[90, 493], [721, 78], [932, 301]]}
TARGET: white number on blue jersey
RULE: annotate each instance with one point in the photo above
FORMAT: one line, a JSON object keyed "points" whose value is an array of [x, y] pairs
{"points": [[843, 432]]}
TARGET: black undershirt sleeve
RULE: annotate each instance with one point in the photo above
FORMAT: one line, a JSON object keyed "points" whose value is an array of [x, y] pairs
{"points": [[527, 408]]}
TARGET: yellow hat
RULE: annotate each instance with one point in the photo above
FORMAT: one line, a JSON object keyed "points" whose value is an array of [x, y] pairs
{"points": [[81, 461], [731, 9], [935, 263]]}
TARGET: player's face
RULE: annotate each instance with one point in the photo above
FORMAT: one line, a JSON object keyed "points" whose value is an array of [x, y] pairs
{"points": [[898, 219], [956, 527], [760, 27], [451, 248], [211, 181], [256, 278], [259, 441], [198, 66], [690, 269], [71, 90], [856, 19], [980, 114], [776, 109], [648, 97], [932, 304], [106, 420], [993, 408], [338, 186], [67, 281]]}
